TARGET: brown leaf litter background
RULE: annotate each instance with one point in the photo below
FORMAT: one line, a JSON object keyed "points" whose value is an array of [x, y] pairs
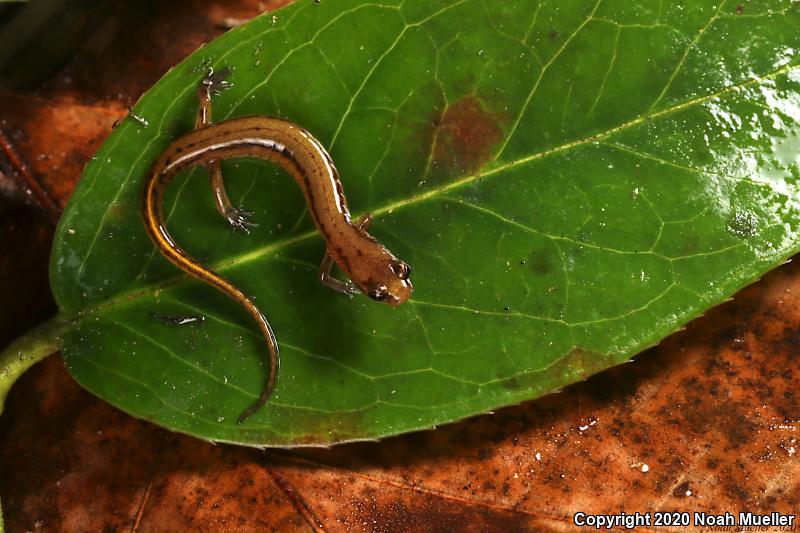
{"points": [[707, 421]]}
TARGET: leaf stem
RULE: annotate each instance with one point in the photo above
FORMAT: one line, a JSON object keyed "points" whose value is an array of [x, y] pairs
{"points": [[29, 349]]}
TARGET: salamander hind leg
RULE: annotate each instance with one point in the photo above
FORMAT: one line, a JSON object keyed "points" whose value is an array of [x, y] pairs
{"points": [[238, 218], [348, 288]]}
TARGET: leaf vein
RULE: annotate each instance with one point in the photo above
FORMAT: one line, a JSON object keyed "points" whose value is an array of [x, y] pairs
{"points": [[688, 49]]}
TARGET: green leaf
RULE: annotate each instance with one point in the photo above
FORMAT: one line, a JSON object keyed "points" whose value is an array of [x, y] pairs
{"points": [[570, 182]]}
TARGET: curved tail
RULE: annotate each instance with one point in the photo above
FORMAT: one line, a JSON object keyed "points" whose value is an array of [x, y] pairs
{"points": [[154, 224]]}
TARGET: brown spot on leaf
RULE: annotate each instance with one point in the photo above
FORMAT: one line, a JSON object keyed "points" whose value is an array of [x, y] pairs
{"points": [[321, 427], [464, 138], [577, 365]]}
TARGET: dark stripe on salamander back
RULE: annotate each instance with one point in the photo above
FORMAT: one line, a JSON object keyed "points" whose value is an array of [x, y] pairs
{"points": [[338, 184], [236, 129], [312, 201]]}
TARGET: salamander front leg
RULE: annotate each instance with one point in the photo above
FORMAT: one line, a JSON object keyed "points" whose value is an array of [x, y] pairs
{"points": [[212, 85], [347, 288], [238, 218]]}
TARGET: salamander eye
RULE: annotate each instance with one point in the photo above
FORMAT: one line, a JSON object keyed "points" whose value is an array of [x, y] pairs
{"points": [[379, 293], [401, 270]]}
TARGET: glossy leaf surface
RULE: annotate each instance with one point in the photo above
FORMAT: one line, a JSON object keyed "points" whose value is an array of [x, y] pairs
{"points": [[570, 183]]}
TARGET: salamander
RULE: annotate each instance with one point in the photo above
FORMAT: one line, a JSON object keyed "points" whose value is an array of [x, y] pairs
{"points": [[371, 268]]}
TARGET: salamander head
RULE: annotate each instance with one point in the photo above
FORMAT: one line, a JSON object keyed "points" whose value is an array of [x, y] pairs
{"points": [[393, 286]]}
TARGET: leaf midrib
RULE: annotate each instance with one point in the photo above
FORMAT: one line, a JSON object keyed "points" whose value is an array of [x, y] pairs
{"points": [[493, 168]]}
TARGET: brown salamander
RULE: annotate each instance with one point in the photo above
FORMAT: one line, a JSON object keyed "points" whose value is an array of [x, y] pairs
{"points": [[372, 268]]}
